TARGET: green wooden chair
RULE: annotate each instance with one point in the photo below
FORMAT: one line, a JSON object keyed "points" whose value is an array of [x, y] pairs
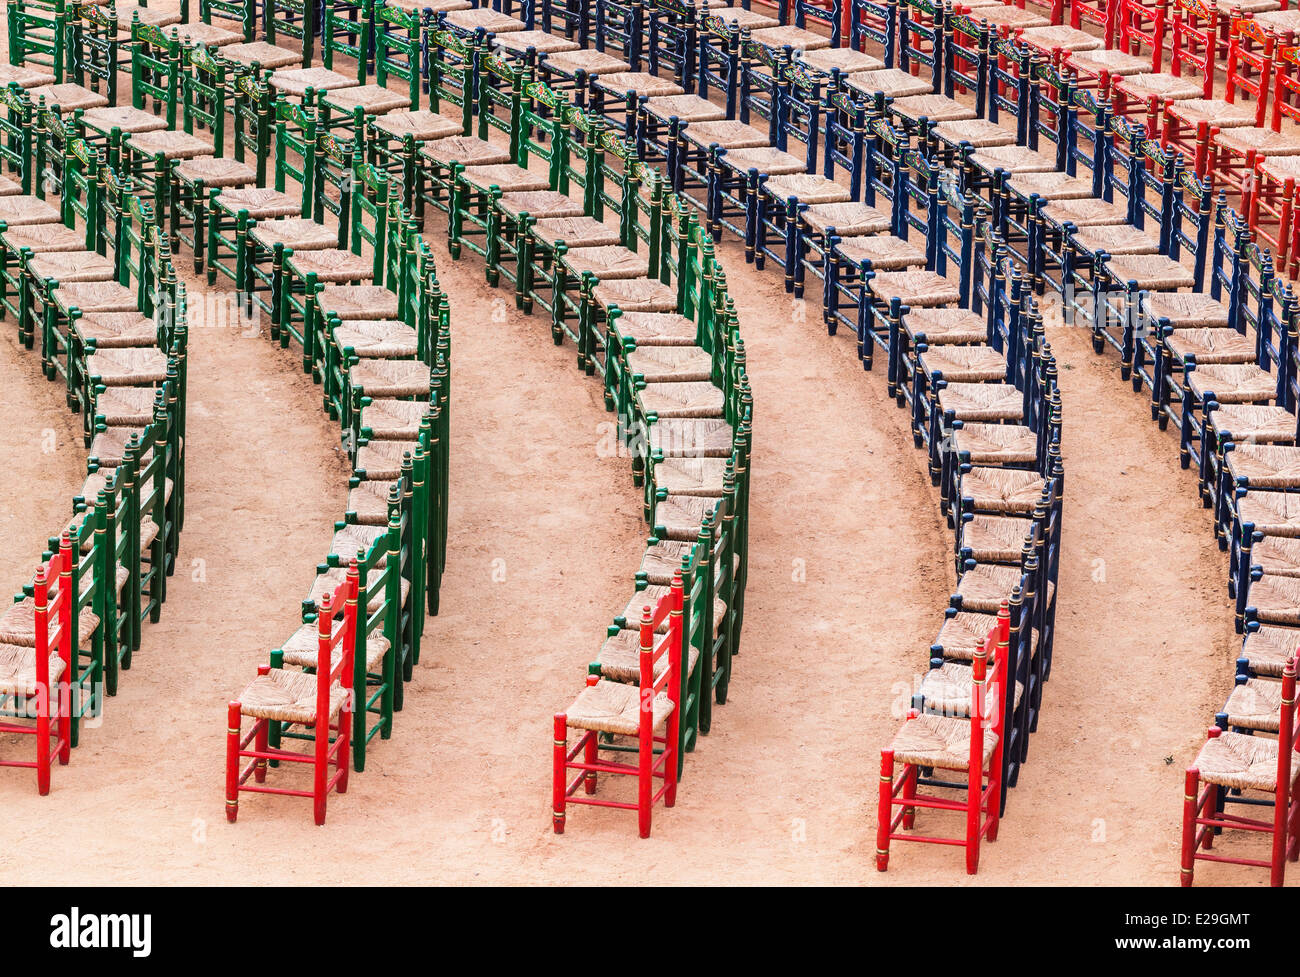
{"points": [[93, 51], [38, 33], [296, 19]]}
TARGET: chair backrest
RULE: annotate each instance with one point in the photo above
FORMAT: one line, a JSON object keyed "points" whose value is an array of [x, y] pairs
{"points": [[950, 236], [350, 30], [846, 140], [296, 19], [762, 82], [1193, 218], [241, 13], [620, 29], [93, 48], [53, 614], [666, 650], [1143, 173], [1142, 23], [966, 59], [672, 40], [802, 117], [38, 33], [451, 74], [1090, 144], [204, 94], [988, 717], [1252, 59], [1102, 13], [920, 39], [399, 46], [875, 21], [1194, 41], [828, 12], [336, 644], [369, 212], [1051, 112], [500, 97], [718, 61], [17, 150], [565, 18], [155, 69], [296, 149], [1010, 84], [251, 114]]}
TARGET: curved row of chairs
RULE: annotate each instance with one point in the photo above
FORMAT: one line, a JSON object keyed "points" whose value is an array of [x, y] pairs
{"points": [[83, 265]]}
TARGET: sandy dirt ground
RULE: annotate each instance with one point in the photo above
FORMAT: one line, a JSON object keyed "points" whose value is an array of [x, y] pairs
{"points": [[850, 570]]}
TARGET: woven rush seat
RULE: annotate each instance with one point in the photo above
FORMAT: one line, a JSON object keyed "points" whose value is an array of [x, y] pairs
{"points": [[809, 188], [691, 476], [96, 297], [302, 650], [1277, 555], [1268, 649], [117, 330], [262, 203], [639, 82], [679, 517], [437, 6], [288, 697], [171, 143], [1060, 38], [378, 338], [1014, 159], [1084, 212], [298, 233], [788, 35], [9, 187], [642, 294], [1273, 513], [1150, 271], [1240, 761], [372, 99], [1159, 85], [980, 133], [209, 35], [333, 265], [1276, 599], [728, 133], [768, 160], [492, 21], [964, 633], [1010, 17], [580, 232], [1281, 168], [1233, 383], [649, 596], [540, 41], [261, 53], [947, 690], [44, 238], [66, 96], [939, 741], [504, 176], [845, 60], [996, 443], [1215, 111], [607, 261], [670, 364], [915, 287], [394, 420], [216, 171], [687, 399], [1114, 62], [73, 266], [660, 562], [350, 302], [846, 219], [419, 123], [109, 446], [1234, 7], [945, 326], [743, 17], [1211, 346], [937, 108], [126, 406], [985, 586], [539, 203], [25, 76], [382, 460], [890, 82], [391, 378], [688, 108], [18, 624], [1051, 186], [1264, 142], [129, 366], [1270, 466], [368, 503], [1002, 489], [612, 707], [150, 16], [352, 540], [692, 437], [1253, 422], [589, 60], [981, 401], [620, 658], [296, 81], [1282, 21], [965, 364], [123, 117], [998, 539], [18, 671], [657, 328], [1186, 309], [1117, 239], [16, 211]]}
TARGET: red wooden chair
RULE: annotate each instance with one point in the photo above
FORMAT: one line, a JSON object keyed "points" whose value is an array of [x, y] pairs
{"points": [[1269, 202], [1198, 39], [648, 712], [1246, 762], [321, 702], [1141, 25], [1099, 13], [1190, 125], [970, 744], [26, 673]]}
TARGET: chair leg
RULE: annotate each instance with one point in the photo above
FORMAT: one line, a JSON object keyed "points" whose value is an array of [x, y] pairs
{"points": [[1190, 787], [233, 720], [974, 805], [645, 779], [590, 754], [884, 810], [559, 748], [43, 741]]}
